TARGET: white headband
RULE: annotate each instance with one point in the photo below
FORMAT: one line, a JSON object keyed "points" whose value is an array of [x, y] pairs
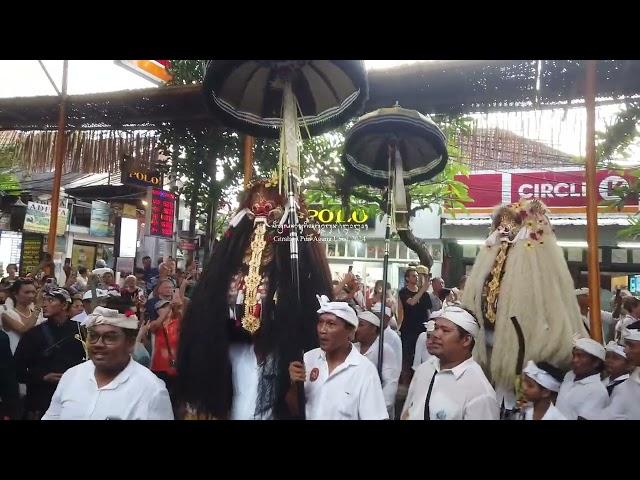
{"points": [[615, 348], [107, 316], [369, 317], [541, 377], [462, 318], [591, 347], [339, 309], [582, 291], [628, 334], [378, 306]]}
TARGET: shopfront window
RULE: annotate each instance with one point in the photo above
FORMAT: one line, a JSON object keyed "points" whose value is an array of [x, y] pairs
{"points": [[81, 215]]}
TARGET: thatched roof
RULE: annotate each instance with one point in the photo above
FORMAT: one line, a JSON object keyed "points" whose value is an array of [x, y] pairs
{"points": [[467, 86], [123, 110], [85, 151], [472, 86]]}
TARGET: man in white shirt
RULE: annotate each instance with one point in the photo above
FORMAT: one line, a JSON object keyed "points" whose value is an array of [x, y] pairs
{"points": [[423, 345], [81, 279], [540, 383], [437, 284], [624, 403], [339, 382], [454, 387], [390, 336], [110, 386], [631, 310], [101, 297], [616, 366], [582, 390], [368, 341], [608, 319]]}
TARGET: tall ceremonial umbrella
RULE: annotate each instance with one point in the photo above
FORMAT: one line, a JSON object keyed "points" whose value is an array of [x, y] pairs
{"points": [[394, 147], [286, 99]]}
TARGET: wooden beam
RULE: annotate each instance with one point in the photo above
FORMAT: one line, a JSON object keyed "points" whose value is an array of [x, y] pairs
{"points": [[59, 156]]}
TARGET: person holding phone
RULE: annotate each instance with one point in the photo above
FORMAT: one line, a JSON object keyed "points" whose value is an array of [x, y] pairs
{"points": [[167, 332], [414, 307], [163, 291]]}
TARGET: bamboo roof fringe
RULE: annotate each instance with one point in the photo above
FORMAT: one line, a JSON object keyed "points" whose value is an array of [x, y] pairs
{"points": [[85, 151], [444, 87]]}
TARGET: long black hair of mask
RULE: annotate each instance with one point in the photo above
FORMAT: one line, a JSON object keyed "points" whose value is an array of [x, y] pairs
{"points": [[204, 369]]}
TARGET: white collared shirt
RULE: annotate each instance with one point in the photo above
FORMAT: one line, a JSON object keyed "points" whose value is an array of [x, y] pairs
{"points": [[392, 339], [606, 381], [625, 404], [460, 393], [390, 370], [352, 391], [421, 354], [578, 398], [245, 377], [552, 413], [80, 318], [622, 324], [135, 394]]}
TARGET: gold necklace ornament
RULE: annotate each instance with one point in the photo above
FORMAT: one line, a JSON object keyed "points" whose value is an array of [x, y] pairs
{"points": [[250, 322]]}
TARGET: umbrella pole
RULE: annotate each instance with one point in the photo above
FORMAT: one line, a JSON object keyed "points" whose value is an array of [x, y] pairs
{"points": [[289, 141], [293, 237], [592, 205], [385, 263], [58, 157], [247, 159]]}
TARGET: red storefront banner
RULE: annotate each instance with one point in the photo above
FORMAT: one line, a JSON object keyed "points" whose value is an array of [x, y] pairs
{"points": [[555, 189], [485, 189]]}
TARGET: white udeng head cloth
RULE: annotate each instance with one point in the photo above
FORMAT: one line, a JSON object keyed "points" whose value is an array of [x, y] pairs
{"points": [[629, 334], [615, 348], [377, 307], [541, 377], [339, 309], [462, 318], [591, 347], [107, 316], [370, 317]]}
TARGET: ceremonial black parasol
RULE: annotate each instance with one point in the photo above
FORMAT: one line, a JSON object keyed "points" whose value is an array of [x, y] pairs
{"points": [[420, 142], [394, 147], [247, 95], [286, 99]]}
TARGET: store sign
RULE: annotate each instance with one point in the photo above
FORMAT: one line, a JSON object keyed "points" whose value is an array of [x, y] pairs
{"points": [[555, 189], [145, 178], [30, 253], [565, 189], [163, 211], [38, 217], [129, 211], [326, 215], [100, 213], [185, 245]]}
